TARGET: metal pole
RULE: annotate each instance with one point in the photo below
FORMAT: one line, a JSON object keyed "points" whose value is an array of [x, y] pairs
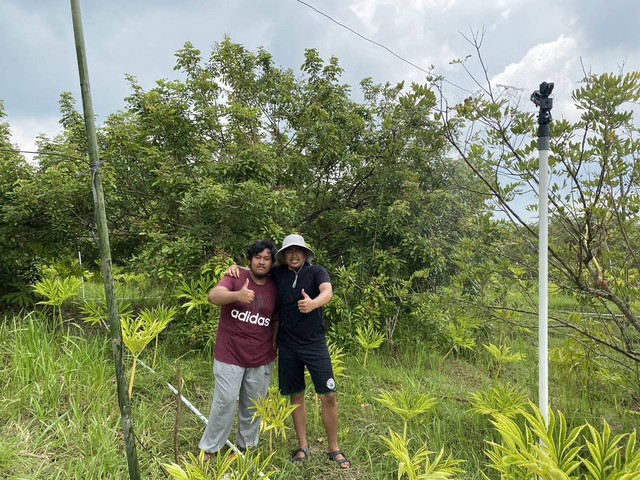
{"points": [[105, 251], [542, 100]]}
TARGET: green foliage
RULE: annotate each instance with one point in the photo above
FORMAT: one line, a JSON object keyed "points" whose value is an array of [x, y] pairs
{"points": [[19, 296], [593, 201], [56, 291], [337, 355], [580, 363], [407, 404], [138, 331], [552, 451], [95, 312], [67, 385], [607, 459], [195, 292], [369, 339], [502, 355], [365, 298], [197, 324], [424, 464], [273, 412], [461, 335], [250, 466], [504, 399]]}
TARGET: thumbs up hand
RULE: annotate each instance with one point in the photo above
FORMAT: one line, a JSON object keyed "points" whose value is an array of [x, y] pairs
{"points": [[245, 294], [307, 304]]}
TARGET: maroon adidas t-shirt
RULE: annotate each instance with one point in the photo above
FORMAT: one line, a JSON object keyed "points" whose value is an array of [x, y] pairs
{"points": [[245, 331]]}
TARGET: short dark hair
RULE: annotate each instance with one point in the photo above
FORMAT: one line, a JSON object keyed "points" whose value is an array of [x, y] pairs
{"points": [[259, 246]]}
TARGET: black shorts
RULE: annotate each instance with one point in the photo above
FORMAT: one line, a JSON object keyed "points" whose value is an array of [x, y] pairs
{"points": [[291, 363]]}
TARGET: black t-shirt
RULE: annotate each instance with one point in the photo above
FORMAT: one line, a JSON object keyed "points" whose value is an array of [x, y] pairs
{"points": [[297, 328]]}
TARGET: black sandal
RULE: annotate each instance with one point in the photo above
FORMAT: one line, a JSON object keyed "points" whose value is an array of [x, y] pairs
{"points": [[332, 456], [300, 460]]}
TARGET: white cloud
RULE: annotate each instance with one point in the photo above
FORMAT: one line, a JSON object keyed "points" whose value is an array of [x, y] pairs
{"points": [[524, 43], [25, 130], [558, 62]]}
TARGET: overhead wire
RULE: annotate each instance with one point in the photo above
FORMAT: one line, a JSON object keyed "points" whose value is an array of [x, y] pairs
{"points": [[379, 45], [52, 154]]}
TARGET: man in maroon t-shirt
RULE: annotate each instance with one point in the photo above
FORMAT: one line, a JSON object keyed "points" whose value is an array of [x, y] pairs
{"points": [[245, 350]]}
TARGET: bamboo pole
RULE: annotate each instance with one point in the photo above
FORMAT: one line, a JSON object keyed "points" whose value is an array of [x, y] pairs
{"points": [[105, 250]]}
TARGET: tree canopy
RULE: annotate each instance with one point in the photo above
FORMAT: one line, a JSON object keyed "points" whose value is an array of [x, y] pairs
{"points": [[395, 192]]}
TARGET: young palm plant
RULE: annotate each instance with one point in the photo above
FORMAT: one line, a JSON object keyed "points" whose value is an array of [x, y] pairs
{"points": [[503, 355], [195, 293], [606, 460], [225, 467], [406, 404], [536, 449], [502, 399], [56, 291], [423, 464], [273, 412], [195, 296], [369, 339], [139, 331], [95, 312]]}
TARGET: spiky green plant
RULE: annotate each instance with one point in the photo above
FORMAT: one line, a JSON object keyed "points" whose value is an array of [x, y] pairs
{"points": [[95, 312], [337, 363], [423, 464], [535, 449], [503, 355], [273, 410], [406, 404], [461, 336], [195, 293], [138, 331], [56, 291], [369, 339], [226, 466], [502, 399], [607, 460]]}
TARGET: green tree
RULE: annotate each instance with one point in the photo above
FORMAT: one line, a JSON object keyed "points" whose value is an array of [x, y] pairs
{"points": [[16, 258], [593, 198]]}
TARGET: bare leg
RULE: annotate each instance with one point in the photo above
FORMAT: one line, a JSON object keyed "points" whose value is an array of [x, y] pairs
{"points": [[330, 420], [300, 421]]}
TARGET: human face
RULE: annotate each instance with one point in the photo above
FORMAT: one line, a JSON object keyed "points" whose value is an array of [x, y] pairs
{"points": [[295, 257], [261, 263]]}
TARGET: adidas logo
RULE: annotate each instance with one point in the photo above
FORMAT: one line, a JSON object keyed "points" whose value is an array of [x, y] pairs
{"points": [[254, 319]]}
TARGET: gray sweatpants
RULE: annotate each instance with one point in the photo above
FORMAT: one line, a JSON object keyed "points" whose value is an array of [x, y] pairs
{"points": [[234, 383]]}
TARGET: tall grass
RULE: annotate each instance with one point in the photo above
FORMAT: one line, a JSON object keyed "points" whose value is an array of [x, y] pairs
{"points": [[59, 416]]}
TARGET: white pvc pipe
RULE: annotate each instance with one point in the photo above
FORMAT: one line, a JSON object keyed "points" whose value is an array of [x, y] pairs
{"points": [[543, 281]]}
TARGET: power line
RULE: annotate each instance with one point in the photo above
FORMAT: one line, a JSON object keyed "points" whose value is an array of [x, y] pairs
{"points": [[378, 44], [52, 154], [365, 38]]}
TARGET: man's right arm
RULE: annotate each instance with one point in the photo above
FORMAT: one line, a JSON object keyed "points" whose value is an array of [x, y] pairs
{"points": [[234, 270], [223, 296]]}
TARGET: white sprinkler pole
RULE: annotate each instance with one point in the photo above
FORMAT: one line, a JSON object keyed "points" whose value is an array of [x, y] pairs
{"points": [[542, 100], [543, 287]]}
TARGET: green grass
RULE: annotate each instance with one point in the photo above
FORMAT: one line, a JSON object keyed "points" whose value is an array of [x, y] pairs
{"points": [[59, 415]]}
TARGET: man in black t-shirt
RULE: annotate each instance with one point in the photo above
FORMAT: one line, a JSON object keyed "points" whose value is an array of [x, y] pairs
{"points": [[303, 289]]}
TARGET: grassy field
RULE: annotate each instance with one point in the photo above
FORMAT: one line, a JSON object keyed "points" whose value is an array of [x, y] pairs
{"points": [[59, 417]]}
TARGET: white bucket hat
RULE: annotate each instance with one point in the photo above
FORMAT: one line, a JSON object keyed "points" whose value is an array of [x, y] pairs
{"points": [[294, 241]]}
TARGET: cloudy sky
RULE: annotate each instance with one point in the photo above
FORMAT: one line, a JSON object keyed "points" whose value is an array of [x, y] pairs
{"points": [[525, 42]]}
